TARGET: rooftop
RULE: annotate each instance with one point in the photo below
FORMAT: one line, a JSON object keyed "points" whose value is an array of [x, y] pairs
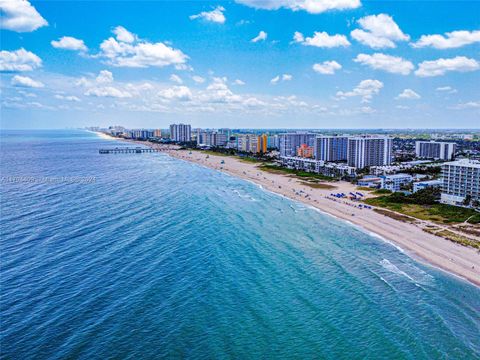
{"points": [[465, 163]]}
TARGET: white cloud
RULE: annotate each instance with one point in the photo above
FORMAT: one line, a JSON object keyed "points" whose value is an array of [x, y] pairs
{"points": [[310, 6], [69, 43], [139, 53], [25, 81], [321, 39], [367, 110], [327, 67], [19, 60], [218, 92], [441, 66], [108, 91], [238, 82], [275, 80], [27, 94], [408, 94], [181, 93], [198, 79], [262, 35], [378, 31], [216, 15], [124, 35], [365, 89], [467, 105], [388, 63], [104, 77], [283, 77], [454, 39], [67, 98], [102, 86], [20, 16], [446, 89], [176, 78], [298, 37]]}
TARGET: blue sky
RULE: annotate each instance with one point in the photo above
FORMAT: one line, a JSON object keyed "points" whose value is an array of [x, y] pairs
{"points": [[240, 64]]}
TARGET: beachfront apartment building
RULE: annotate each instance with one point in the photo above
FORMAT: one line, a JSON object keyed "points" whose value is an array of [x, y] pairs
{"points": [[461, 179], [273, 142], [157, 133], [180, 132], [138, 134], [211, 138], [395, 182], [366, 151], [331, 148], [290, 142], [435, 150], [252, 143]]}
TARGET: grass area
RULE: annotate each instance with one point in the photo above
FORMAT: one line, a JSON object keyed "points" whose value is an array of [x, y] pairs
{"points": [[301, 174], [468, 230], [459, 239], [440, 213], [364, 188], [394, 215], [382, 191], [249, 159], [319, 185], [215, 153]]}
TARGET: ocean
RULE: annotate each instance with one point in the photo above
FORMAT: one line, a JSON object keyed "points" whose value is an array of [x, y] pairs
{"points": [[143, 256]]}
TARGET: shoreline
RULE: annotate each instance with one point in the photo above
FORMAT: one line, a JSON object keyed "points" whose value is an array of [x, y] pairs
{"points": [[460, 261]]}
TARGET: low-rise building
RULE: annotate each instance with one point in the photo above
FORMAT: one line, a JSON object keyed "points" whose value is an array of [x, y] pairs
{"points": [[370, 181], [318, 166], [420, 185], [395, 182]]}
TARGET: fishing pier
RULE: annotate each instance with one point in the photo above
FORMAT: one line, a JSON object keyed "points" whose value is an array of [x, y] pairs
{"points": [[129, 150]]}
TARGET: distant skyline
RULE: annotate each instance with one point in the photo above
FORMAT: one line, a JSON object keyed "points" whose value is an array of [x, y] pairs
{"points": [[240, 64]]}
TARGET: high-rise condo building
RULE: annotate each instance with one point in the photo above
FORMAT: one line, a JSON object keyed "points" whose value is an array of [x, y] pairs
{"points": [[273, 142], [157, 133], [290, 142], [263, 142], [252, 143], [461, 179], [331, 148], [139, 134], [435, 150], [180, 132], [211, 138], [366, 151]]}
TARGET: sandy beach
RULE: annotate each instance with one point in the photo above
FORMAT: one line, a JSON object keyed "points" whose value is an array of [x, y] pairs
{"points": [[431, 249]]}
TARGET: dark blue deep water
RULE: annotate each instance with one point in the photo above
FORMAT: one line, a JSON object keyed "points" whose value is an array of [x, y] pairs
{"points": [[145, 257]]}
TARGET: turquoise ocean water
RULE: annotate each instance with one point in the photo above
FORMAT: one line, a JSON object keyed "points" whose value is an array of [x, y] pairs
{"points": [[145, 257]]}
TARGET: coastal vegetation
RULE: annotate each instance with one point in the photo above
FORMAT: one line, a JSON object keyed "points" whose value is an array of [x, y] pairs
{"points": [[317, 185], [455, 237], [299, 173], [245, 157], [423, 205]]}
